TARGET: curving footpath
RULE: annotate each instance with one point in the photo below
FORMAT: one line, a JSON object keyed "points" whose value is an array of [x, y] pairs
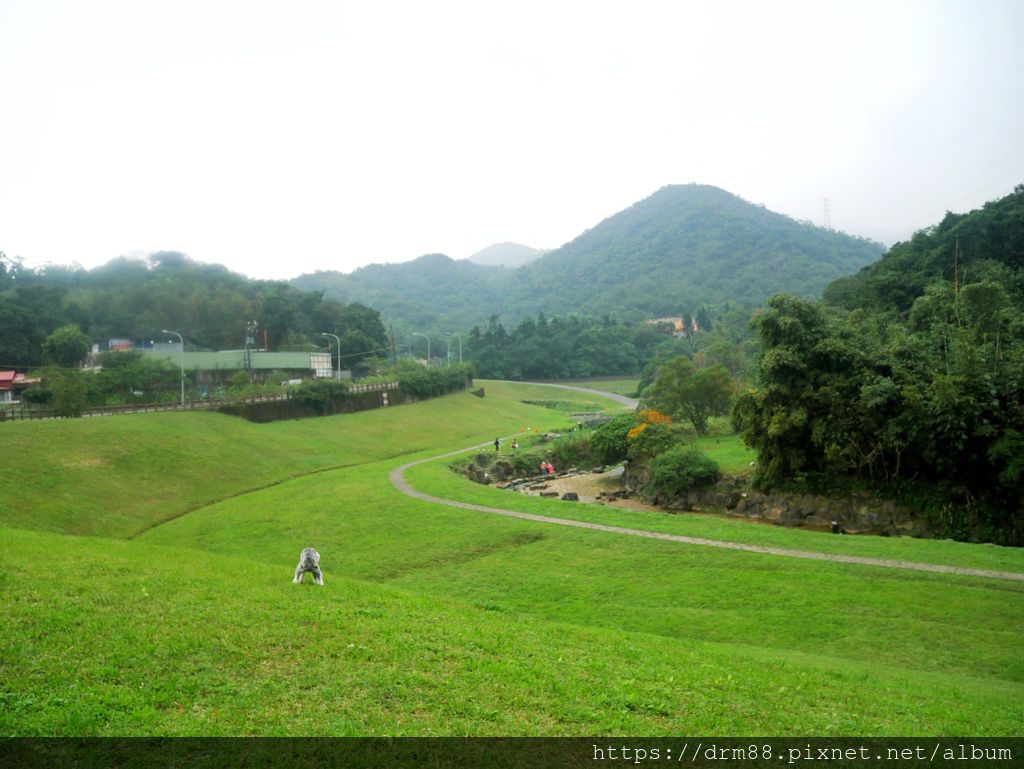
{"points": [[397, 477]]}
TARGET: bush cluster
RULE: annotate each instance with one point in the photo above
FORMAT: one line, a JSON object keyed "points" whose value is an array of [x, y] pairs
{"points": [[321, 395], [681, 469], [422, 382]]}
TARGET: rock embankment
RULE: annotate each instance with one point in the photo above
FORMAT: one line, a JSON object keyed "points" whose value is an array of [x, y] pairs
{"points": [[855, 514]]}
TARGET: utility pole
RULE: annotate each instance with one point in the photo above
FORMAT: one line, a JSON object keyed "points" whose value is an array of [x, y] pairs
{"points": [[181, 360], [415, 333], [250, 341]]}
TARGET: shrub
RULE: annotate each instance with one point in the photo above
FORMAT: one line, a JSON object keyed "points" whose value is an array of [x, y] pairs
{"points": [[571, 450], [681, 469], [652, 433], [647, 440], [239, 381], [320, 394], [421, 382], [610, 441]]}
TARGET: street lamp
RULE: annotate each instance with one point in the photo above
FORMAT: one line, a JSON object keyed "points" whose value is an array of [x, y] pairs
{"points": [[181, 361], [414, 333], [460, 347], [327, 333]]}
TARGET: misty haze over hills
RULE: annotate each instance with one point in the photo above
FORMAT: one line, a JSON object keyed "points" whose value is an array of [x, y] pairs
{"points": [[682, 247], [506, 255]]}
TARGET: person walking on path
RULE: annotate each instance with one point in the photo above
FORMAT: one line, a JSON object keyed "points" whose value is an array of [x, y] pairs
{"points": [[497, 444]]}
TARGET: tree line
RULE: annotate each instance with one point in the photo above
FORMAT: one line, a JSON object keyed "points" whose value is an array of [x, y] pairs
{"points": [[909, 379], [561, 348], [209, 305]]}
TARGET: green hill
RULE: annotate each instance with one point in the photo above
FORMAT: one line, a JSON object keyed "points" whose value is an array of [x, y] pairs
{"points": [[683, 247], [431, 292], [907, 378], [986, 244], [505, 255], [438, 620]]}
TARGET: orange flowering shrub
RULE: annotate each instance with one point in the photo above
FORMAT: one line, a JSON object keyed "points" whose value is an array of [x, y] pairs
{"points": [[654, 417], [637, 430]]}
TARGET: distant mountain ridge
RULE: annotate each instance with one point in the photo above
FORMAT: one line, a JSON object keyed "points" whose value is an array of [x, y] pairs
{"points": [[682, 247], [506, 255]]}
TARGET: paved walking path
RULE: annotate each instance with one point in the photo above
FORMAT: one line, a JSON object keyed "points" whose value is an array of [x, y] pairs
{"points": [[397, 477]]}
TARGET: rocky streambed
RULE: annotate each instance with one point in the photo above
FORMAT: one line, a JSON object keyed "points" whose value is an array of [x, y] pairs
{"points": [[733, 497], [596, 486]]}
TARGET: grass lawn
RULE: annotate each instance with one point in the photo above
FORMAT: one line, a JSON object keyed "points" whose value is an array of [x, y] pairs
{"points": [[624, 386], [177, 648], [436, 620], [733, 456], [118, 476]]}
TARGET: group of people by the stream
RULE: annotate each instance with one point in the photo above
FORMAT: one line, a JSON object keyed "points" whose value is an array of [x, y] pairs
{"points": [[546, 468]]}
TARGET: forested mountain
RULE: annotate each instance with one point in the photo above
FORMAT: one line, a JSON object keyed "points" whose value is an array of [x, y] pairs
{"points": [[962, 248], [908, 377], [505, 255], [135, 299], [681, 248], [433, 292]]}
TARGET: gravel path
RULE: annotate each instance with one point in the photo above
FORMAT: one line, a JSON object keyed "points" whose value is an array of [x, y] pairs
{"points": [[397, 477], [398, 481]]}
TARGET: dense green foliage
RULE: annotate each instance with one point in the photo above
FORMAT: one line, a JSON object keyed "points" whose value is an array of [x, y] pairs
{"points": [[423, 382], [685, 392], [431, 293], [920, 395], [207, 304], [67, 346], [681, 469], [610, 441], [682, 248], [987, 244], [561, 348], [321, 395]]}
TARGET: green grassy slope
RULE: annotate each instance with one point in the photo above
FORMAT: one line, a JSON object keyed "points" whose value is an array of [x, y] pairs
{"points": [[435, 479], [604, 579], [117, 476], [190, 644], [443, 621]]}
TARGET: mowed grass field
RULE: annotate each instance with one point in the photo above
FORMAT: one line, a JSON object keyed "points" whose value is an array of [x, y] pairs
{"points": [[153, 595]]}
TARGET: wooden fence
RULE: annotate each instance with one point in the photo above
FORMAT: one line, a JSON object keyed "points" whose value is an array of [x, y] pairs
{"points": [[18, 412]]}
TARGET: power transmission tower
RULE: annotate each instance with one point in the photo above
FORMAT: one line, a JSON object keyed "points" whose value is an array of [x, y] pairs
{"points": [[826, 213]]}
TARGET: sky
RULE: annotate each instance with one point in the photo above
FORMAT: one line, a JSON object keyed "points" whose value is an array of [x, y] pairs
{"points": [[284, 138]]}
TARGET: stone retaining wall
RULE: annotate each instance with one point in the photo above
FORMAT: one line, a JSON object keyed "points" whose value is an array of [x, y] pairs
{"points": [[855, 514]]}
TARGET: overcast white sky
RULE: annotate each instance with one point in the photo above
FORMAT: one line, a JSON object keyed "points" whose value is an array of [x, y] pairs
{"points": [[279, 138]]}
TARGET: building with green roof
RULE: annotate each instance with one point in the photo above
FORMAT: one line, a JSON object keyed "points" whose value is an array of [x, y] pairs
{"points": [[219, 367]]}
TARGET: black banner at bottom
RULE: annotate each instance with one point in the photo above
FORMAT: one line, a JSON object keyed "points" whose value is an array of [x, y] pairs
{"points": [[498, 752]]}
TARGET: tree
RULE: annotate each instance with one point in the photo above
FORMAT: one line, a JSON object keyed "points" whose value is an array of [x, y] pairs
{"points": [[125, 373], [789, 417], [685, 392], [67, 346], [610, 441]]}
